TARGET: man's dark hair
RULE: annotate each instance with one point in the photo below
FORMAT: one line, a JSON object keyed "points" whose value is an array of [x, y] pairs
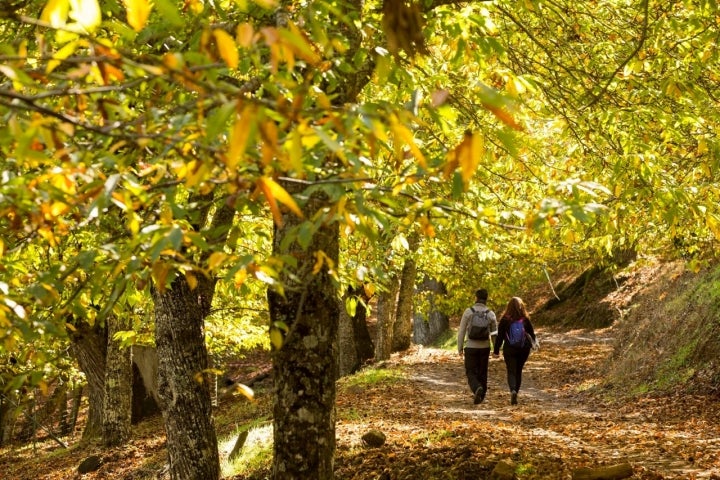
{"points": [[481, 295]]}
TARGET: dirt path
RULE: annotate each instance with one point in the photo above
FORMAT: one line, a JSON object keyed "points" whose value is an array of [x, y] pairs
{"points": [[434, 430]]}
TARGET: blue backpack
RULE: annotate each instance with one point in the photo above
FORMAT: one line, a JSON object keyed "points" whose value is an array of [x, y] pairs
{"points": [[516, 334]]}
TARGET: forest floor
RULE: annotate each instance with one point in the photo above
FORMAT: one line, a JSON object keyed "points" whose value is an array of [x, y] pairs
{"points": [[564, 421]]}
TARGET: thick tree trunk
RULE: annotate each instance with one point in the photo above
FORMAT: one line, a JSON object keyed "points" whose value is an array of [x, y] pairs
{"points": [[403, 328], [90, 350], [117, 408], [386, 310], [304, 367], [183, 379], [429, 322]]}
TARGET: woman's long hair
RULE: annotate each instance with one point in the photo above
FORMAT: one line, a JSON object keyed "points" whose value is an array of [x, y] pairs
{"points": [[516, 310]]}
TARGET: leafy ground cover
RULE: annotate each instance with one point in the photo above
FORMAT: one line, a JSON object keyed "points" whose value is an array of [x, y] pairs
{"points": [[565, 420]]}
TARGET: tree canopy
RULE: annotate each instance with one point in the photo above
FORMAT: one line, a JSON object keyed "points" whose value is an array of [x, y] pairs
{"points": [[510, 138]]}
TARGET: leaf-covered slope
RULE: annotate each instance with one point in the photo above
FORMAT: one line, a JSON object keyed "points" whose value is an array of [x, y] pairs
{"points": [[665, 320]]}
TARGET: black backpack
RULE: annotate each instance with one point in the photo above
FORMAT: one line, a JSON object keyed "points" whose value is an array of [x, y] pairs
{"points": [[479, 325]]}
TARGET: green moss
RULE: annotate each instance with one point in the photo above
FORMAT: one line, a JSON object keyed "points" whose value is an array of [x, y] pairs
{"points": [[371, 376], [255, 455], [524, 469], [447, 341]]}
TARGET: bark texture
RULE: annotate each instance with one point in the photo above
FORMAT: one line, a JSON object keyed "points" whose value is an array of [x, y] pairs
{"points": [[146, 398], [89, 344], [118, 387], [386, 311], [429, 321], [354, 341], [348, 360], [304, 368], [403, 328], [183, 380]]}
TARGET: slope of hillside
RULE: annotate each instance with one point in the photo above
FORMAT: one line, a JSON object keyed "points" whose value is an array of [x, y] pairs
{"points": [[665, 321]]}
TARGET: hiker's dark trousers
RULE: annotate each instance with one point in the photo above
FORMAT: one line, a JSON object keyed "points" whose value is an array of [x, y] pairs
{"points": [[515, 359], [476, 367]]}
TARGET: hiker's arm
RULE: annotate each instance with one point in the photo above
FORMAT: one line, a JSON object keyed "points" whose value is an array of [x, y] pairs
{"points": [[493, 329], [461, 331]]}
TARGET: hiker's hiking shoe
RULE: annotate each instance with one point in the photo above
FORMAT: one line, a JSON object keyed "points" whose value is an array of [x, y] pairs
{"points": [[513, 398], [479, 395]]}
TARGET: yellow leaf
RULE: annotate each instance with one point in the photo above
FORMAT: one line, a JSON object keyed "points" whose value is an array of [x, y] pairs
{"points": [[61, 54], [56, 12], [226, 47], [369, 289], [319, 260], [216, 259], [469, 153], [160, 273], [274, 209], [300, 46], [276, 338], [2, 247], [59, 208], [138, 12], [427, 227], [86, 13], [245, 391], [294, 146], [191, 280], [273, 190], [504, 116], [713, 224], [240, 277], [239, 137], [245, 34], [404, 135]]}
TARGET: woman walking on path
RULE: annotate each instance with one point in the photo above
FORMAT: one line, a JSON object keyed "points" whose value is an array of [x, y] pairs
{"points": [[516, 335]]}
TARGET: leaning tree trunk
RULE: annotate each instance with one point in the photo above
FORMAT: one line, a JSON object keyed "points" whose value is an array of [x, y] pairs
{"points": [[403, 328], [183, 378], [90, 349], [304, 367], [386, 310], [117, 409]]}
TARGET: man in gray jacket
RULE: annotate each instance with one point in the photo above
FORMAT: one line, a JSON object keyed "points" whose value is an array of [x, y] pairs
{"points": [[476, 347]]}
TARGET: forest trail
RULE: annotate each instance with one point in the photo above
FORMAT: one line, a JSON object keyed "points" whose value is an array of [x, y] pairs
{"points": [[435, 432], [564, 421]]}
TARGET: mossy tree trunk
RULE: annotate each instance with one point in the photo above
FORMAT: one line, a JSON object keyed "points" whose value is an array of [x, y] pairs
{"points": [[118, 386], [305, 366], [90, 349], [183, 379]]}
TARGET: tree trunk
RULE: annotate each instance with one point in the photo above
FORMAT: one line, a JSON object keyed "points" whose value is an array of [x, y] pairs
{"points": [[90, 350], [117, 407], [145, 396], [9, 412], [429, 322], [386, 310], [75, 410], [363, 340], [355, 345], [183, 379], [348, 361], [304, 367], [403, 328]]}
